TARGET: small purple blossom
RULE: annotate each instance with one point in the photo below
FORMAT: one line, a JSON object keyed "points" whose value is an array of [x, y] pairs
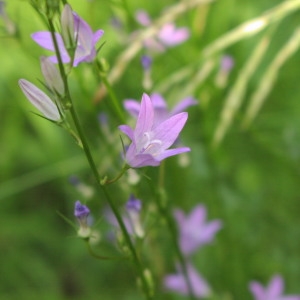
{"points": [[177, 283], [151, 140], [83, 35], [161, 112], [194, 231], [274, 290]]}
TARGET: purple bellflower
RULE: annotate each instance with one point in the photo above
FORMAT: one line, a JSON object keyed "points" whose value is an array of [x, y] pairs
{"points": [[151, 140], [84, 38], [274, 290], [194, 231], [161, 112], [40, 100], [177, 283]]}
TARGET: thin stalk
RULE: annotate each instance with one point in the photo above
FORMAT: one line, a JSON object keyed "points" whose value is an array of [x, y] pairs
{"points": [[165, 211], [115, 103], [93, 167]]}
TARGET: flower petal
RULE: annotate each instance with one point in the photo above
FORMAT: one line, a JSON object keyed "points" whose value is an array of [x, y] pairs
{"points": [[145, 119], [257, 290], [44, 39], [168, 131], [127, 130], [132, 106], [171, 152], [276, 286], [183, 104]]}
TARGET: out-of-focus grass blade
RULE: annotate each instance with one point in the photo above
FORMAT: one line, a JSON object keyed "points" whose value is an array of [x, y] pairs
{"points": [[42, 175], [269, 78], [251, 27], [236, 94]]}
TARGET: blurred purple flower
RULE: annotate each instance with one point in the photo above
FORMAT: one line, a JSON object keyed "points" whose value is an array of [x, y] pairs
{"points": [[150, 139], [130, 217], [194, 231], [161, 112], [85, 42], [274, 290], [146, 62], [167, 36], [227, 63], [177, 283]]}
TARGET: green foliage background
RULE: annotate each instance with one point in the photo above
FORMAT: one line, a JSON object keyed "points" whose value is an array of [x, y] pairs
{"points": [[250, 180]]}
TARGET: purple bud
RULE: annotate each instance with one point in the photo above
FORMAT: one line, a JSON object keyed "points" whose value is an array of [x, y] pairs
{"points": [[40, 100], [146, 62], [81, 212], [67, 26]]}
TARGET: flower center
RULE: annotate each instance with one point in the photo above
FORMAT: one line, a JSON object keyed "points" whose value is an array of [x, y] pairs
{"points": [[149, 146]]}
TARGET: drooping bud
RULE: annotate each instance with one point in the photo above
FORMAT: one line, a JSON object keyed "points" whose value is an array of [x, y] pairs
{"points": [[52, 76], [40, 100], [67, 27]]}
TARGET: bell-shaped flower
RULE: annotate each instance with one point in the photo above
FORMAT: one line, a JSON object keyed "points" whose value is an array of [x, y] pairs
{"points": [[151, 140], [177, 283], [161, 111], [194, 230], [85, 39], [274, 290], [40, 100]]}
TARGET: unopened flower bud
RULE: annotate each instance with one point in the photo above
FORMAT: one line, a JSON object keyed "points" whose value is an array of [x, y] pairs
{"points": [[40, 100], [81, 212], [67, 27], [133, 207], [52, 76]]}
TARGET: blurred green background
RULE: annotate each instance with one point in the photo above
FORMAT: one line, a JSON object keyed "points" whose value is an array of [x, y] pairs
{"points": [[249, 180]]}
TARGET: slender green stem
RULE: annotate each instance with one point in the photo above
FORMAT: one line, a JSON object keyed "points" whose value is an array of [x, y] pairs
{"points": [[115, 102], [86, 149], [164, 208]]}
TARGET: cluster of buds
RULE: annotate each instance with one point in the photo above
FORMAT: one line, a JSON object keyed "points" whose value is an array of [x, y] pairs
{"points": [[76, 44]]}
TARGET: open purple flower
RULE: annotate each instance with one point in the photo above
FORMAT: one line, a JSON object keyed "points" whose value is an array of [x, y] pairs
{"points": [[161, 112], [84, 37], [274, 290], [194, 231], [177, 283], [151, 140]]}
